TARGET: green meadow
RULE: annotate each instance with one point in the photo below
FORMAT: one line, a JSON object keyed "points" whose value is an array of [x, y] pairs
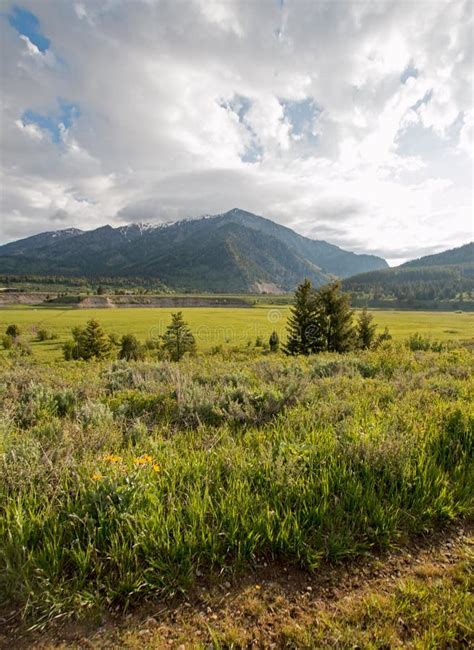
{"points": [[125, 482], [229, 327]]}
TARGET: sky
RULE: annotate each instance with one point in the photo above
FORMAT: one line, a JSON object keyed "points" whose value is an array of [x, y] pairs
{"points": [[348, 122]]}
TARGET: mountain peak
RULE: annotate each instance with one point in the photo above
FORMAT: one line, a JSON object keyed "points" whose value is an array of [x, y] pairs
{"points": [[232, 252]]}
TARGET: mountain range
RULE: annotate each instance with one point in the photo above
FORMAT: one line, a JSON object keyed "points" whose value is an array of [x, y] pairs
{"points": [[232, 252], [444, 275]]}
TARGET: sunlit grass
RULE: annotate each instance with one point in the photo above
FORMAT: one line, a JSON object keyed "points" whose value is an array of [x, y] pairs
{"points": [[228, 327], [122, 481]]}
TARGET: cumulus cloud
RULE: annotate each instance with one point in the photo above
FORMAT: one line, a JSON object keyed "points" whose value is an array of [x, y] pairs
{"points": [[351, 122]]}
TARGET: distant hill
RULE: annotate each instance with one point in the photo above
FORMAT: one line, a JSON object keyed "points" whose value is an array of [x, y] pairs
{"points": [[453, 256], [232, 252], [445, 276]]}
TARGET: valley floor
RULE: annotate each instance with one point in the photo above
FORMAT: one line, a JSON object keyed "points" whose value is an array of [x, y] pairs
{"points": [[417, 597]]}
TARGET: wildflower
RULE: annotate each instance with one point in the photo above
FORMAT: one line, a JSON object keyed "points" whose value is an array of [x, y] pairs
{"points": [[96, 477], [156, 467], [146, 458], [113, 458]]}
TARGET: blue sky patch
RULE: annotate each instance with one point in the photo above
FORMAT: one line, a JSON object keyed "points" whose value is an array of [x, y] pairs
{"points": [[27, 24], [52, 121], [239, 104], [301, 114], [410, 71]]}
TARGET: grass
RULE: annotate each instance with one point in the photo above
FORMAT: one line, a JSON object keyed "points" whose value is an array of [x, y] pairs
{"points": [[123, 482], [420, 611], [218, 326]]}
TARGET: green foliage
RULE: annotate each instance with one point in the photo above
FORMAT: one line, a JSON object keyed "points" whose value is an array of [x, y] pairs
{"points": [[44, 334], [178, 339], [122, 483], [21, 348], [320, 320], [88, 343], [211, 328], [7, 341], [303, 328], [433, 280], [383, 337], [418, 342], [274, 342], [365, 330], [335, 318], [13, 331], [130, 348]]}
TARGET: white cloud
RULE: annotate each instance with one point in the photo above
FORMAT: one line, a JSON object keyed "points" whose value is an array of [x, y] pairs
{"points": [[156, 136]]}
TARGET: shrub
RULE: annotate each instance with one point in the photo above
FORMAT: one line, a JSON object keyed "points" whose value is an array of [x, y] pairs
{"points": [[70, 350], [13, 331], [21, 348], [7, 341], [130, 348], [274, 342], [44, 334], [418, 342]]}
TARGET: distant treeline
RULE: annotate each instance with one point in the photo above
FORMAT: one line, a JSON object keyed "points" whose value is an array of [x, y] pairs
{"points": [[411, 286], [83, 284]]}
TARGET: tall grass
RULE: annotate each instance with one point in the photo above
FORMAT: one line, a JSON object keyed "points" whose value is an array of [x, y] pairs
{"points": [[138, 478]]}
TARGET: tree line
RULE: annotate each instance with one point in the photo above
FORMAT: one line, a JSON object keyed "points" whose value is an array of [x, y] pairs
{"points": [[91, 342], [321, 320]]}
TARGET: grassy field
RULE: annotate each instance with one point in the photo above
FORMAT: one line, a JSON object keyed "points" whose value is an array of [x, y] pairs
{"points": [[124, 482], [217, 326], [127, 481]]}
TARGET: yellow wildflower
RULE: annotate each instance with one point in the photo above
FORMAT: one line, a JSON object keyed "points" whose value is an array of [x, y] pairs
{"points": [[113, 458], [96, 476], [146, 458], [156, 467]]}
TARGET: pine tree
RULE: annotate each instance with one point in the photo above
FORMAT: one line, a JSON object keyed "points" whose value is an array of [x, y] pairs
{"points": [[274, 342], [304, 336], [89, 342], [93, 341], [335, 318], [178, 339], [130, 348], [365, 330]]}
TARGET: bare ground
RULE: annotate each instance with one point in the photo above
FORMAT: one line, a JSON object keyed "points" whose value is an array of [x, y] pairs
{"points": [[281, 606]]}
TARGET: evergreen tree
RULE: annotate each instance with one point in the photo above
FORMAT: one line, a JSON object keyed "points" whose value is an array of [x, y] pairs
{"points": [[87, 343], [304, 336], [335, 318], [130, 348], [93, 341], [274, 342], [365, 330], [178, 339]]}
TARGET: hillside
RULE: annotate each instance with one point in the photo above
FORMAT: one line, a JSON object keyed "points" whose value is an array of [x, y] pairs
{"points": [[453, 256], [234, 251], [445, 276]]}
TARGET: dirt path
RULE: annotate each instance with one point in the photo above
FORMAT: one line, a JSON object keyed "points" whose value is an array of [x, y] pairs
{"points": [[395, 600]]}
